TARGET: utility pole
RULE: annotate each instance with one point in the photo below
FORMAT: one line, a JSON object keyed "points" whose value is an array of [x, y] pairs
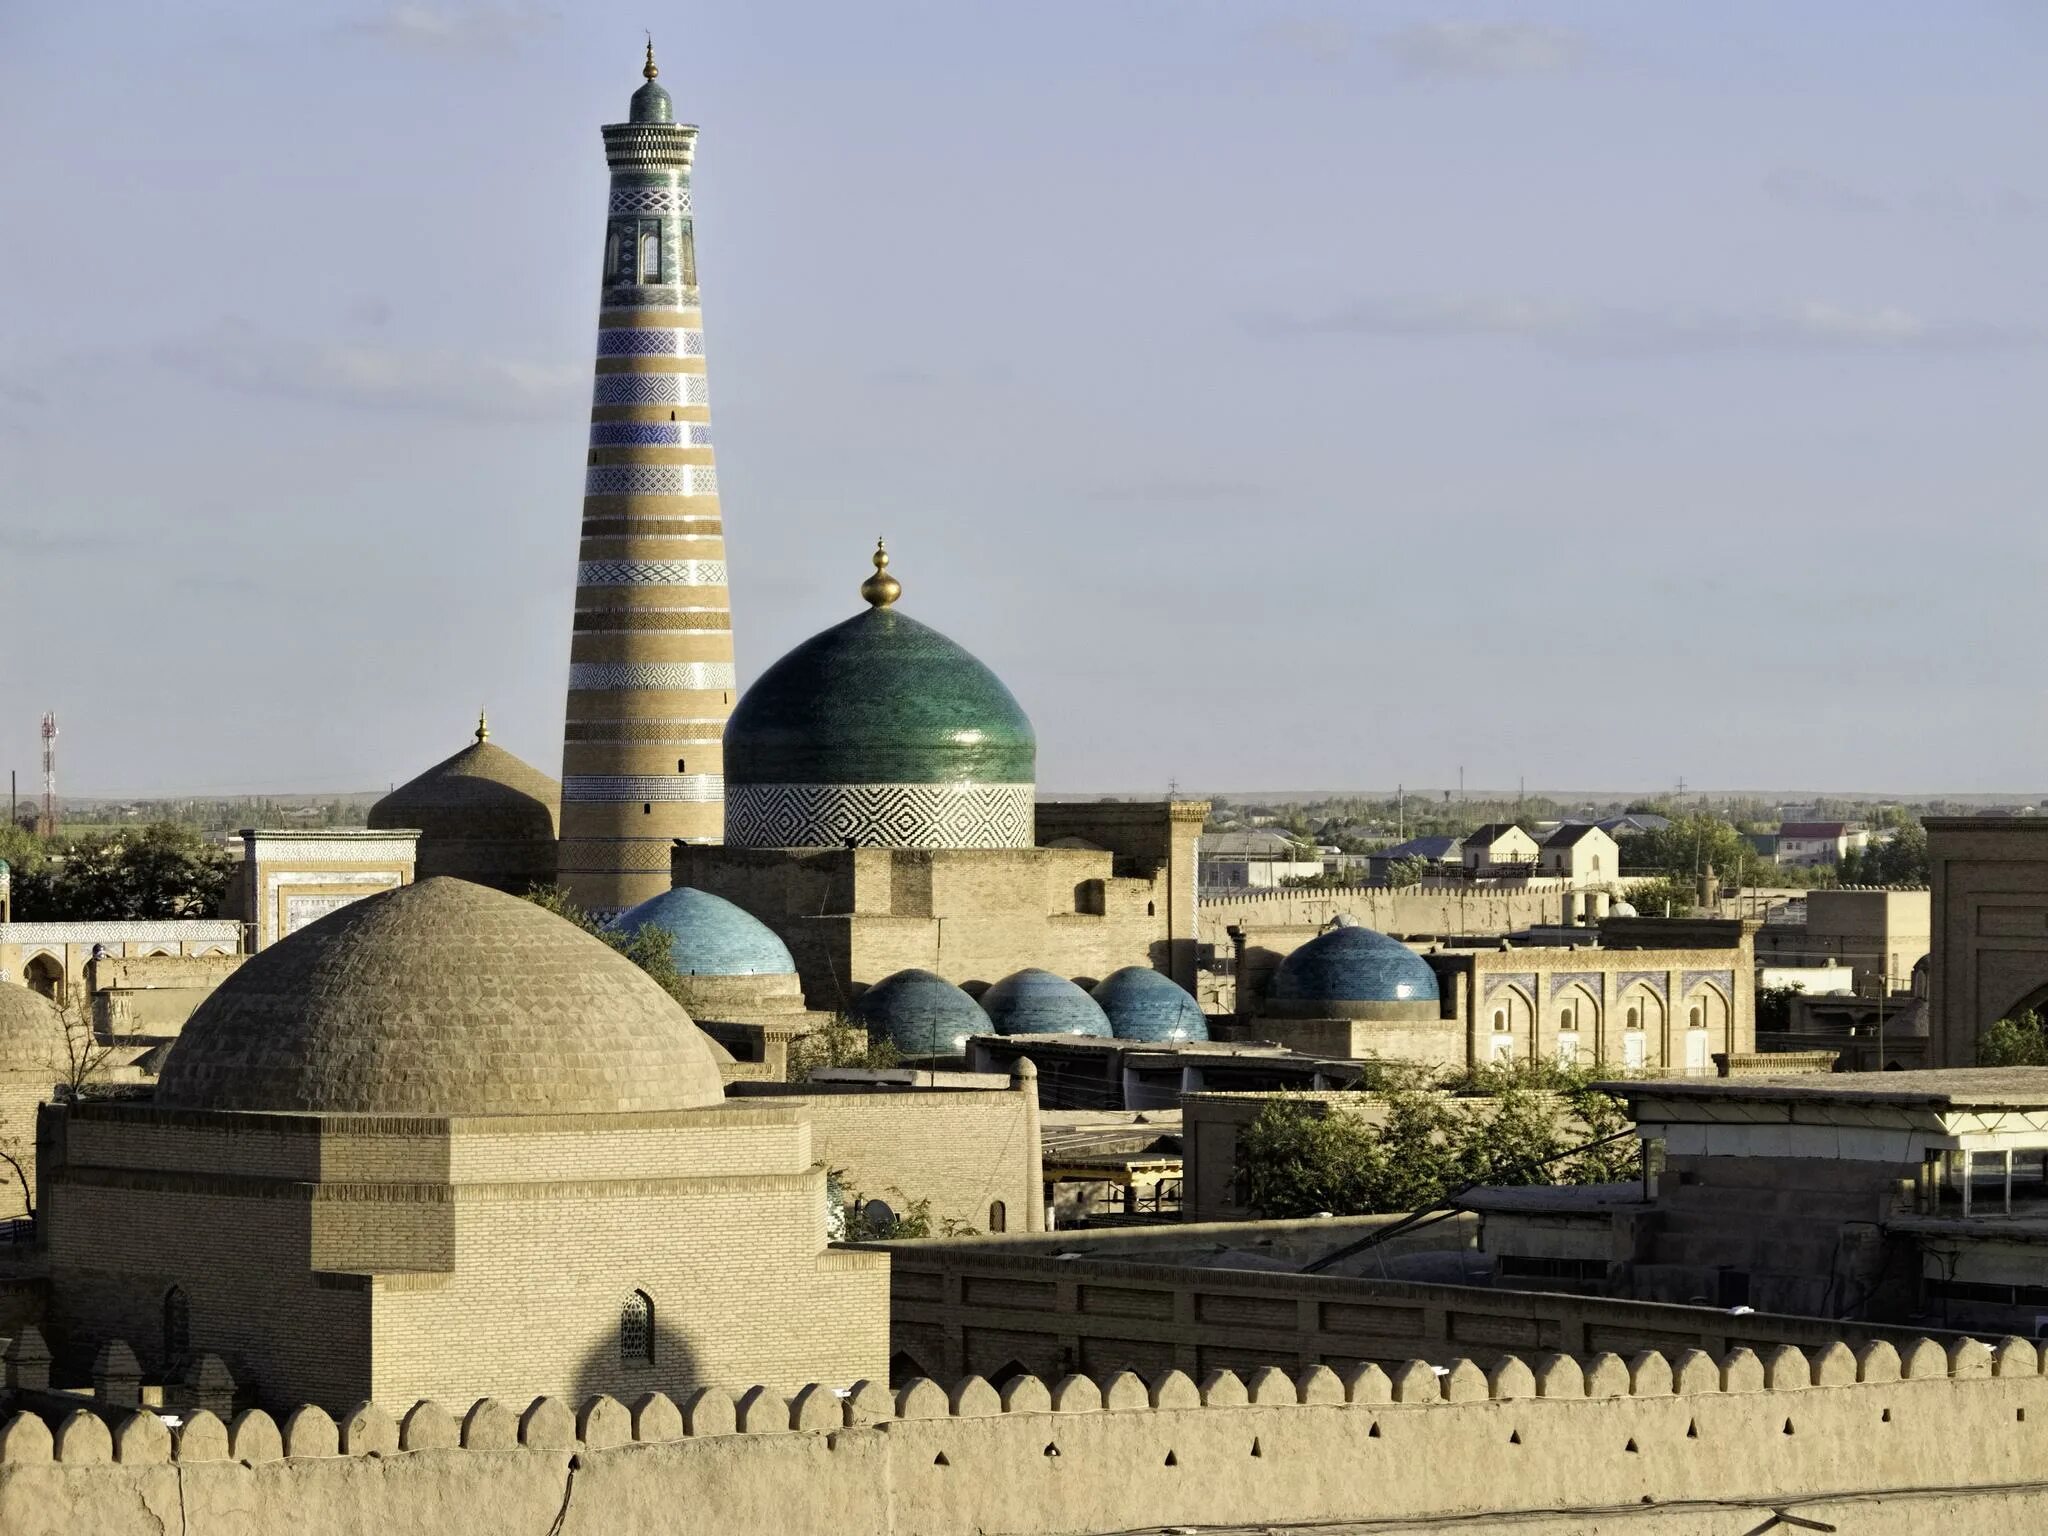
{"points": [[49, 775]]}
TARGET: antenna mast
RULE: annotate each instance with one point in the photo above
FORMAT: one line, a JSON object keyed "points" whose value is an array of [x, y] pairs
{"points": [[49, 775]]}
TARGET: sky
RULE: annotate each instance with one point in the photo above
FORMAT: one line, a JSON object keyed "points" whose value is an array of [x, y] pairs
{"points": [[1272, 394]]}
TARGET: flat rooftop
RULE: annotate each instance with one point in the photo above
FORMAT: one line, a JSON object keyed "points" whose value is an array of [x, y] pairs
{"points": [[1952, 1088]]}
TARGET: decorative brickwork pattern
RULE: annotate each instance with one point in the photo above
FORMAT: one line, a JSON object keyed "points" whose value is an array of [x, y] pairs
{"points": [[671, 676], [879, 815], [607, 789], [650, 573], [650, 480], [651, 389]]}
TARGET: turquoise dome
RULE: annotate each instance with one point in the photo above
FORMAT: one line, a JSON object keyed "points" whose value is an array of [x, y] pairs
{"points": [[1035, 1002], [920, 1013], [708, 935], [1354, 965], [1143, 1004], [651, 104], [879, 733]]}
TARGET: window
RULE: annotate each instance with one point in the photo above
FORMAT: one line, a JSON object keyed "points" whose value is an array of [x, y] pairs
{"points": [[1596, 863], [1635, 1018], [1500, 1020], [1697, 1022], [1569, 1019], [681, 766], [998, 1217], [177, 1330], [611, 256], [636, 1330], [650, 255], [1149, 910], [646, 808]]}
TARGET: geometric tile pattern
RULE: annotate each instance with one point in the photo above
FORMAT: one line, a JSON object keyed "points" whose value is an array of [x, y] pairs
{"points": [[650, 200], [651, 389], [1724, 981], [1654, 980], [878, 815], [653, 536], [651, 573], [649, 341], [1587, 979], [650, 434], [1523, 981], [655, 675], [650, 480], [614, 788]]}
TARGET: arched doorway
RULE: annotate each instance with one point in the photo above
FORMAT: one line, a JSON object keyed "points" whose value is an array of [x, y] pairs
{"points": [[45, 973], [1638, 1044], [1576, 1020], [1505, 1021]]}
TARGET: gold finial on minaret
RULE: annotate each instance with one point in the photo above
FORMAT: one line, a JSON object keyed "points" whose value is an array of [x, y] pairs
{"points": [[648, 69], [483, 727], [881, 589]]}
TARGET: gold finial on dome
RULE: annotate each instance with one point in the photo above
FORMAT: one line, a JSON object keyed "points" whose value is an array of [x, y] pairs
{"points": [[648, 69], [483, 727], [881, 589]]}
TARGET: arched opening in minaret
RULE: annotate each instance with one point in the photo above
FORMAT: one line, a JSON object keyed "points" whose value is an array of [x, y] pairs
{"points": [[650, 256]]}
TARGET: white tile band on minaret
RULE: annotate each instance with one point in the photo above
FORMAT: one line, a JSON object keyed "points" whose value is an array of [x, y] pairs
{"points": [[651, 679]]}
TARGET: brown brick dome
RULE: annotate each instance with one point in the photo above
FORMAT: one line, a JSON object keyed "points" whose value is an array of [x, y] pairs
{"points": [[31, 1031], [482, 815], [440, 998]]}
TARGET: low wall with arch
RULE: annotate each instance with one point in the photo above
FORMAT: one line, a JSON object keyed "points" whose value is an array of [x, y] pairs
{"points": [[1652, 1443]]}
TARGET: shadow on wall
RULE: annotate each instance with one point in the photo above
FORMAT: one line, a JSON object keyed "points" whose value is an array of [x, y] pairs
{"points": [[645, 1352]]}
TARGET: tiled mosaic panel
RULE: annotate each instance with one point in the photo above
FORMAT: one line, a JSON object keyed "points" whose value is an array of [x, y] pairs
{"points": [[623, 788], [650, 434], [878, 815], [650, 480], [650, 200], [686, 732], [650, 341], [651, 573], [652, 389], [630, 676]]}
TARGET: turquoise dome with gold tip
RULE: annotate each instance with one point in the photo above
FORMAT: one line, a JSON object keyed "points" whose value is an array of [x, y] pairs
{"points": [[879, 733]]}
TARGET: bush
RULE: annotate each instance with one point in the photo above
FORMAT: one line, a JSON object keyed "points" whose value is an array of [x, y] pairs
{"points": [[2015, 1042]]}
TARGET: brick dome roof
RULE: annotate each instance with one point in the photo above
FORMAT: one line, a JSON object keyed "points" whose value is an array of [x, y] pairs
{"points": [[440, 998], [31, 1031], [483, 791]]}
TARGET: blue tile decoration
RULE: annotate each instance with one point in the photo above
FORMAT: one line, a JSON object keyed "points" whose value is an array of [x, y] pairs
{"points": [[650, 480], [651, 389], [920, 1013], [1036, 1002], [1354, 965], [650, 434], [1144, 1004]]}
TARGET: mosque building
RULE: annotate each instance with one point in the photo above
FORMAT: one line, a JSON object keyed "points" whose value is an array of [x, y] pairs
{"points": [[881, 817], [650, 662]]}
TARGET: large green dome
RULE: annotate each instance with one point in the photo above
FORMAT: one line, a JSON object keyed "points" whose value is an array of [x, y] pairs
{"points": [[879, 732]]}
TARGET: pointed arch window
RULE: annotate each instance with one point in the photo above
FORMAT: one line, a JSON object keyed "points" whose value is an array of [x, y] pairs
{"points": [[650, 253], [636, 1330]]}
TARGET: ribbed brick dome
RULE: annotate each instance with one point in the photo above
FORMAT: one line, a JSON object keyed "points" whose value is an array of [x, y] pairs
{"points": [[440, 998]]}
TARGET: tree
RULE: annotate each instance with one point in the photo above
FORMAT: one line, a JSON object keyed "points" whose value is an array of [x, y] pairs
{"points": [[2019, 1041], [1902, 860], [1687, 847], [1533, 1129], [646, 947], [1652, 898], [1412, 870], [841, 1043], [159, 870]]}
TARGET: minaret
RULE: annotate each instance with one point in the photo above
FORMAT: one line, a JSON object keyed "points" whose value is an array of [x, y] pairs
{"points": [[650, 663]]}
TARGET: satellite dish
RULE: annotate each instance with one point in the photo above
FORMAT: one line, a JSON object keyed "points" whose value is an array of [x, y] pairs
{"points": [[877, 1213]]}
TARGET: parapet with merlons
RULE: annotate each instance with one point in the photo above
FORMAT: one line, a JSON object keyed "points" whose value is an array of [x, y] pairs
{"points": [[1421, 1441]]}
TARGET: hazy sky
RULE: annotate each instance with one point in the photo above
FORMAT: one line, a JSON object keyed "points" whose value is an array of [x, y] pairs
{"points": [[1273, 394]]}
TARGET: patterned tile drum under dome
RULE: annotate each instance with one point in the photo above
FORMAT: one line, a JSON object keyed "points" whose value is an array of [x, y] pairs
{"points": [[879, 733], [651, 663]]}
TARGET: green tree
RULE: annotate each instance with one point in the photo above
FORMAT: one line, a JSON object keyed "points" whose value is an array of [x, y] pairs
{"points": [[1650, 898], [159, 870], [1691, 844], [841, 1043], [1412, 870], [1902, 860], [647, 947], [2019, 1041]]}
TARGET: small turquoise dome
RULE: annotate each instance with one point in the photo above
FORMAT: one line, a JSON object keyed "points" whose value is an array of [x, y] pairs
{"points": [[651, 103], [1035, 1002], [709, 936], [1143, 1004], [1354, 965], [921, 1014]]}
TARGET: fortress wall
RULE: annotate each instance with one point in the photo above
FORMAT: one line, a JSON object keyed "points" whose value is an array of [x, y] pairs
{"points": [[1625, 1441], [1409, 909]]}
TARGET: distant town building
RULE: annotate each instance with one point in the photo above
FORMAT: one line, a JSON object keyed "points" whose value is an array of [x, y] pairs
{"points": [[1580, 853], [1260, 860], [1499, 850], [1440, 852], [1806, 844]]}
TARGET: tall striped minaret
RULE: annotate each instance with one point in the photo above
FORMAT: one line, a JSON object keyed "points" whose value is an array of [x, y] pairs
{"points": [[650, 663]]}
